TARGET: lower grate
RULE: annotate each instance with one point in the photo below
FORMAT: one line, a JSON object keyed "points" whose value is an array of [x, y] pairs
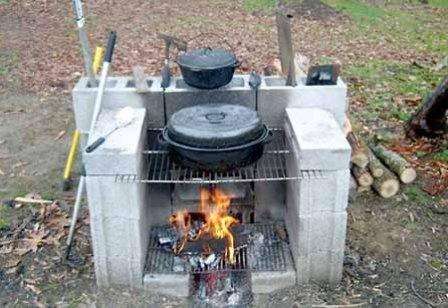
{"points": [[266, 251]]}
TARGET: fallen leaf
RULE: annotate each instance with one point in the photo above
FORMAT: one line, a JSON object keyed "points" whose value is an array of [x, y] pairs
{"points": [[35, 240]]}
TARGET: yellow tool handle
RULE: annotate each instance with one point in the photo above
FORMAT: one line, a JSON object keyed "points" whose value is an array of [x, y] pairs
{"points": [[98, 59], [71, 155]]}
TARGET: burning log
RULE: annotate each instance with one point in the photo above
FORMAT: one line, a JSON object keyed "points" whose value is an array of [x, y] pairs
{"points": [[430, 120], [212, 220], [362, 176], [396, 163]]}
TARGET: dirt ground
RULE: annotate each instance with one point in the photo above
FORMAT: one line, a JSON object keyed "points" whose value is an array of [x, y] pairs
{"points": [[396, 249]]}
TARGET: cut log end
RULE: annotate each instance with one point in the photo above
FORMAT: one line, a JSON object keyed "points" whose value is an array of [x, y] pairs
{"points": [[362, 176], [387, 188], [408, 175], [361, 160]]}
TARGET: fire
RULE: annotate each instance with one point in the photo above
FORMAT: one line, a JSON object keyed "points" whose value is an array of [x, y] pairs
{"points": [[213, 207]]}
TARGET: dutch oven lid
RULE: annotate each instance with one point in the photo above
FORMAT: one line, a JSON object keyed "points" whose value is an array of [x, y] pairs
{"points": [[207, 58], [215, 126]]}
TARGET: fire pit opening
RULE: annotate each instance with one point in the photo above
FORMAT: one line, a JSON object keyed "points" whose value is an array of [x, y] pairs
{"points": [[218, 236]]}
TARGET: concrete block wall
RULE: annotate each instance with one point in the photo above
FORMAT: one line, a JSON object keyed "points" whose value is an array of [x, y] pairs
{"points": [[273, 98], [118, 211], [316, 216]]}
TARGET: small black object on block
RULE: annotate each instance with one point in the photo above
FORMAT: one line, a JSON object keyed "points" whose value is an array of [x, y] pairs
{"points": [[323, 75]]}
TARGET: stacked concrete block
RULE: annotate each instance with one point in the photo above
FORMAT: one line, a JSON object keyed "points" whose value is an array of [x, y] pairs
{"points": [[120, 92], [316, 215], [118, 212], [274, 97]]}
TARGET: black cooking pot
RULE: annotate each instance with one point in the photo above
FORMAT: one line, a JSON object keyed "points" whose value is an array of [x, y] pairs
{"points": [[215, 137], [207, 68]]}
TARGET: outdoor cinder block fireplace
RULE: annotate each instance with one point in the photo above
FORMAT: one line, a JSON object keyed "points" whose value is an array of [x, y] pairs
{"points": [[291, 203]]}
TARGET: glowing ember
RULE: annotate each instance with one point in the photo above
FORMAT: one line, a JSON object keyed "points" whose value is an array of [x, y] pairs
{"points": [[213, 209]]}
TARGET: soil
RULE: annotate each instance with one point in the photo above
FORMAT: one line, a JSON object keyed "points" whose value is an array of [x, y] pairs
{"points": [[390, 243]]}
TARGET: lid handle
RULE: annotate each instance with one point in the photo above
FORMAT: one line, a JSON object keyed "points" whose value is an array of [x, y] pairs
{"points": [[215, 117]]}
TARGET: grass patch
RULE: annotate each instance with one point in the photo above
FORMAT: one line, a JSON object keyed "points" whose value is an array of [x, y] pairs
{"points": [[8, 61], [416, 195], [423, 30], [442, 156], [259, 5], [361, 12], [386, 84], [4, 217]]}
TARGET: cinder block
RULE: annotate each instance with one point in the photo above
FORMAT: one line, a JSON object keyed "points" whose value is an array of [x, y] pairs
{"points": [[111, 199], [159, 204], [121, 153], [274, 97], [327, 194], [318, 139], [119, 238], [179, 95], [118, 272], [168, 284], [120, 92], [320, 267], [270, 201], [320, 232]]}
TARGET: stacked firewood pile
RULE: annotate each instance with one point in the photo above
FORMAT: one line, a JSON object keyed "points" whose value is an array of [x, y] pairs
{"points": [[373, 166]]}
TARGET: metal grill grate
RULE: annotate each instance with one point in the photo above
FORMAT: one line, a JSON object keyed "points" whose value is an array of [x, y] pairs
{"points": [[271, 167], [271, 256]]}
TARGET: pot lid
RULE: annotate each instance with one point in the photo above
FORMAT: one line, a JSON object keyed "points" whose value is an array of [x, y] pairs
{"points": [[215, 126], [207, 58]]}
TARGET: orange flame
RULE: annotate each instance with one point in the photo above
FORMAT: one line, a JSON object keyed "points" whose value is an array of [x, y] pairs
{"points": [[214, 206]]}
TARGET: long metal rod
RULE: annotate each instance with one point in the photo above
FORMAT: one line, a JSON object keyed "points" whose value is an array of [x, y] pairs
{"points": [[85, 47]]}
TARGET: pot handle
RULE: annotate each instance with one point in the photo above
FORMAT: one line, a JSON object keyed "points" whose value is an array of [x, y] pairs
{"points": [[269, 137], [161, 140]]}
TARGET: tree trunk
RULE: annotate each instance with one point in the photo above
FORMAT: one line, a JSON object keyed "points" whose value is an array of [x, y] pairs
{"points": [[387, 185], [430, 120], [396, 163], [362, 176]]}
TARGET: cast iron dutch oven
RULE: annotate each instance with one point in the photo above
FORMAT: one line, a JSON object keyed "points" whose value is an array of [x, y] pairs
{"points": [[215, 137], [207, 68]]}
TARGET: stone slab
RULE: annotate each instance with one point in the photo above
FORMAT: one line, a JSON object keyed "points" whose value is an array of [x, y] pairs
{"points": [[317, 139], [118, 272]]}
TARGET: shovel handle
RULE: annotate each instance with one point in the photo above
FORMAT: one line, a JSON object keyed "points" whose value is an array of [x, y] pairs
{"points": [[110, 46], [95, 145]]}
